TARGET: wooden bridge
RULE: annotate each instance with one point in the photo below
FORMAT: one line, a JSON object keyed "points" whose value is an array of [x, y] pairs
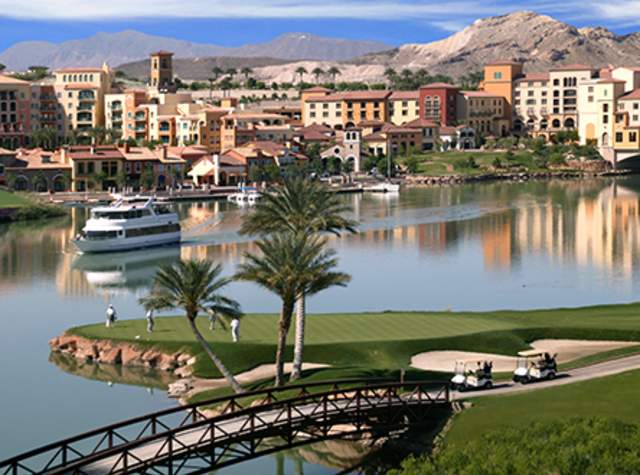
{"points": [[220, 432]]}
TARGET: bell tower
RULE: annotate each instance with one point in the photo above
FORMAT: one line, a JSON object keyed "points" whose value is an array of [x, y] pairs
{"points": [[161, 77]]}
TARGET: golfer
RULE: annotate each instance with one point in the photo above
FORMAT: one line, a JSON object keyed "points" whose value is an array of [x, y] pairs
{"points": [[235, 329], [111, 316]]}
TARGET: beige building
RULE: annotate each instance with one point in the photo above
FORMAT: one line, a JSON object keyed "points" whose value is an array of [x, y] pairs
{"points": [[404, 106], [483, 111], [597, 111], [81, 93]]}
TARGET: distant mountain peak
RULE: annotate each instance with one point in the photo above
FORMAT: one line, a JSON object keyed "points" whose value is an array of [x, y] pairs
{"points": [[131, 45]]}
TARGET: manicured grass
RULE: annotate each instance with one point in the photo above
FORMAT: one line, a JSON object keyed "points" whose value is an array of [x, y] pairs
{"points": [[13, 200], [614, 396], [456, 162], [383, 340]]}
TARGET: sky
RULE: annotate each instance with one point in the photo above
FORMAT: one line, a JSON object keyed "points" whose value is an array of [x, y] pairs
{"points": [[237, 22]]}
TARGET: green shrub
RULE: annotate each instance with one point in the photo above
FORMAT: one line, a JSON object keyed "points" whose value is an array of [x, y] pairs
{"points": [[586, 446]]}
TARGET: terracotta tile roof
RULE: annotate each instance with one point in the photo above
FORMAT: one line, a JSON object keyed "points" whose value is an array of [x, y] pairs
{"points": [[86, 153], [421, 123], [404, 95], [631, 96], [439, 85], [38, 159], [447, 130], [610, 81], [371, 123], [534, 77], [80, 85], [9, 80], [375, 137], [352, 96], [574, 67], [480, 94]]}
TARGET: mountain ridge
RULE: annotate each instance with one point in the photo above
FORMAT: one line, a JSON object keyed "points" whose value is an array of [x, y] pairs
{"points": [[130, 45]]}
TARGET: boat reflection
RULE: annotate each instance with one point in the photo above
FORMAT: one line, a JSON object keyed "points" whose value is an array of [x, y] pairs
{"points": [[129, 271]]}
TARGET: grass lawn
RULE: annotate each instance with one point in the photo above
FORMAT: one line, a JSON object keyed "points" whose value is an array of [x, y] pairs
{"points": [[456, 162], [383, 341], [614, 396], [12, 200]]}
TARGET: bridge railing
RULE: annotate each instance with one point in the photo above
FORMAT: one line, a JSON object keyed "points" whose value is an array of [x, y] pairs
{"points": [[66, 451], [285, 417]]}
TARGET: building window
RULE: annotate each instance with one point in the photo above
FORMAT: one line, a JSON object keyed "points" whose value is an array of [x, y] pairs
{"points": [[633, 136], [619, 137], [497, 75]]}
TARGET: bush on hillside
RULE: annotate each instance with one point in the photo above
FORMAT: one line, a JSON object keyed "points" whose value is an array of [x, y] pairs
{"points": [[586, 446]]}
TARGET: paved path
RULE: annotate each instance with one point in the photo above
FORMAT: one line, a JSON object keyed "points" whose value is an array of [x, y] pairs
{"points": [[586, 373]]}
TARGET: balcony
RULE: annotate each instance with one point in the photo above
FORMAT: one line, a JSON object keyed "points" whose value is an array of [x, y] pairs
{"points": [[87, 96], [84, 117], [83, 106]]}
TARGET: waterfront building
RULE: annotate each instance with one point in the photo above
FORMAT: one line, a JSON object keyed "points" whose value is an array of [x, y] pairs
{"points": [[81, 93], [15, 112], [404, 106]]}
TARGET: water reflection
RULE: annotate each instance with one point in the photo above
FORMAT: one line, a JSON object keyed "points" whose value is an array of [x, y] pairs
{"points": [[589, 223]]}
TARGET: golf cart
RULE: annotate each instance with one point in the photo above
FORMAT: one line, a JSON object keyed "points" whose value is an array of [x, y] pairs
{"points": [[534, 365], [472, 375]]}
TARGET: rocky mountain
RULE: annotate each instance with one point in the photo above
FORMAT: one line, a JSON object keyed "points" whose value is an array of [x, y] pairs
{"points": [[129, 46], [543, 42], [540, 40]]}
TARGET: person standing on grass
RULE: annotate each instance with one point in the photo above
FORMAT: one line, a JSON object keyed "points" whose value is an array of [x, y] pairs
{"points": [[235, 330], [111, 316], [212, 320], [150, 321]]}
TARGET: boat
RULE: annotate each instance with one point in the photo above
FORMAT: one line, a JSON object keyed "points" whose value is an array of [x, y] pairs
{"points": [[247, 195], [383, 187], [128, 223]]}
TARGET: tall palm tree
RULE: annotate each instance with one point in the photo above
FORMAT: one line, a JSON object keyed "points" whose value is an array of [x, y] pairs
{"points": [[301, 71], [299, 206], [246, 71], [317, 72], [391, 75], [217, 72], [334, 72], [231, 72], [290, 264], [195, 286]]}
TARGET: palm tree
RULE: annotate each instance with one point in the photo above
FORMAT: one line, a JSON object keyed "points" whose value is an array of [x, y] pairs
{"points": [[334, 72], [301, 71], [290, 264], [246, 71], [391, 75], [195, 287], [217, 72], [317, 72], [299, 206], [232, 72]]}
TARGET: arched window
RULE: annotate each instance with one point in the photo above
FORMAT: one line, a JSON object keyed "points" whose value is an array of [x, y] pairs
{"points": [[569, 123], [556, 123]]}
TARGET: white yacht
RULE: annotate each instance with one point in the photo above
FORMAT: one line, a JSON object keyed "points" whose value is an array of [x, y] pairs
{"points": [[129, 223], [247, 195], [383, 187]]}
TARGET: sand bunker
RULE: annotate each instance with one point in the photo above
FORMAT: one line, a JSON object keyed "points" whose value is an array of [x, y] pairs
{"points": [[567, 350]]}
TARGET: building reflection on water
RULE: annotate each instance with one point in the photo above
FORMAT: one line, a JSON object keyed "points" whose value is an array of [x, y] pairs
{"points": [[591, 224]]}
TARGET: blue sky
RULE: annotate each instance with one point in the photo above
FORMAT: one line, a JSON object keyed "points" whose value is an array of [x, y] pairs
{"points": [[248, 21]]}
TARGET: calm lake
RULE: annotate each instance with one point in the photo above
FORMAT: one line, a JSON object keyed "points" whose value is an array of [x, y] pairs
{"points": [[476, 247]]}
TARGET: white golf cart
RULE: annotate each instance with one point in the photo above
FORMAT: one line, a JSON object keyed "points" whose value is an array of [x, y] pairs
{"points": [[472, 374], [535, 365]]}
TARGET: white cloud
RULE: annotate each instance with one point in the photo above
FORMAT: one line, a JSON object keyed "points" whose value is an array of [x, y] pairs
{"points": [[357, 9]]}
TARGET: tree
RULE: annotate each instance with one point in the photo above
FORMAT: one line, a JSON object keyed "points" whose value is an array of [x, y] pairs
{"points": [[195, 286], [217, 72], [317, 72], [45, 137], [231, 72], [290, 264], [305, 207], [40, 182], [334, 72], [98, 180], [391, 75], [412, 162], [246, 71], [301, 71], [2, 67], [147, 180]]}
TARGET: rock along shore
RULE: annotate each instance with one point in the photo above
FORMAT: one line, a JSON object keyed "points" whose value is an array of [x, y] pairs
{"points": [[122, 353]]}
